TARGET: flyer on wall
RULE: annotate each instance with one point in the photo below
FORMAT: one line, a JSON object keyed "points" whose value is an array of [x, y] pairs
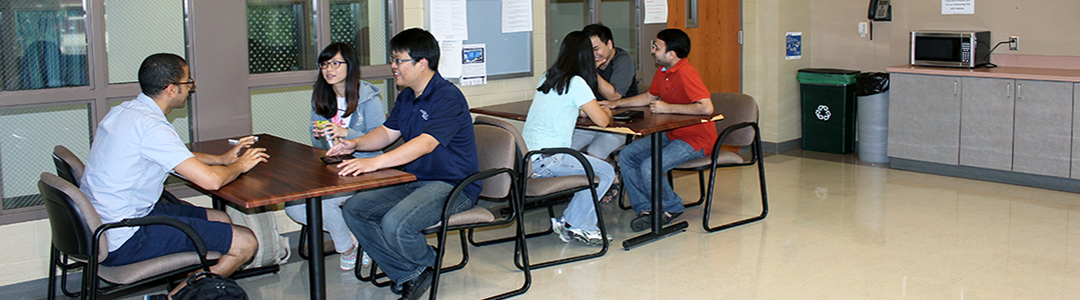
{"points": [[473, 64]]}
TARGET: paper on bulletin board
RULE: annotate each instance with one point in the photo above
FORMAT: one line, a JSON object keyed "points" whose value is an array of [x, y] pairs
{"points": [[655, 11], [450, 22], [473, 64], [793, 45], [958, 7], [517, 16], [450, 68]]}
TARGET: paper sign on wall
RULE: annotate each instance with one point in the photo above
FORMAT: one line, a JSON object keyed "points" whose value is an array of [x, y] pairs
{"points": [[473, 64], [655, 11], [958, 7], [793, 45]]}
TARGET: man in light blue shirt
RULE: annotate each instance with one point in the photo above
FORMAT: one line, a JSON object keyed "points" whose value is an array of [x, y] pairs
{"points": [[134, 149]]}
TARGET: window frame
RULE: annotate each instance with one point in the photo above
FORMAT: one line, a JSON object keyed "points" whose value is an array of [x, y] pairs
{"points": [[98, 92]]}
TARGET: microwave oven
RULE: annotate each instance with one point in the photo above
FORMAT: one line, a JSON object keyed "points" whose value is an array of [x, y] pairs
{"points": [[950, 48]]}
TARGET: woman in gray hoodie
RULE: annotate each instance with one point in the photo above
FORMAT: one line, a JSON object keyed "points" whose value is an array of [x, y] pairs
{"points": [[342, 107]]}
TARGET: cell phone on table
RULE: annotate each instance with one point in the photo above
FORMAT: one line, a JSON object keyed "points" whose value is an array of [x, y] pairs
{"points": [[629, 115], [335, 159]]}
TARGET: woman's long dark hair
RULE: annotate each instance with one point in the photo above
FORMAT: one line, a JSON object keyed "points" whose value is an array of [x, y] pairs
{"points": [[575, 59], [323, 99]]}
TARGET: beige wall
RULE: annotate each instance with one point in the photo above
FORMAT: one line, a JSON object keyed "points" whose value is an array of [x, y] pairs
{"points": [[831, 40], [1043, 27], [766, 74]]}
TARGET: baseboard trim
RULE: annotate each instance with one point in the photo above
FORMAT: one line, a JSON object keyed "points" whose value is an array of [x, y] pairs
{"points": [[1032, 180], [781, 146]]}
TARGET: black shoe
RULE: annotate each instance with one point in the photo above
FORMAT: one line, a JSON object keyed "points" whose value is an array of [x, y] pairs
{"points": [[396, 288], [414, 289], [644, 221]]}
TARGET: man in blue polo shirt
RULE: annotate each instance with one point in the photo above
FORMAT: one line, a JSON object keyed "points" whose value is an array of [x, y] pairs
{"points": [[433, 118]]}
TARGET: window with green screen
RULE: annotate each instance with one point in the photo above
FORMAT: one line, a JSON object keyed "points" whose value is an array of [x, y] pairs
{"points": [[281, 36], [26, 148], [42, 45]]}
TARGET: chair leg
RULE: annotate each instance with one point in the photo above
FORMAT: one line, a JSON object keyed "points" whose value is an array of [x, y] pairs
{"points": [[54, 255], [764, 196], [603, 234], [618, 173], [701, 190], [301, 249], [89, 281]]}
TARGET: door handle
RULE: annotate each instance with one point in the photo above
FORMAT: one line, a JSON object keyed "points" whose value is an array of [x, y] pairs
{"points": [[1008, 90]]}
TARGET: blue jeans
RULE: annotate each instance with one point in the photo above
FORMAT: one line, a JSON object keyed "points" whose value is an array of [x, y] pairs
{"points": [[387, 223], [636, 161], [580, 212], [597, 143]]}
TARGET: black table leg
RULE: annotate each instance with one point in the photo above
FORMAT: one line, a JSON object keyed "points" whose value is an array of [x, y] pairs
{"points": [[316, 262], [658, 231]]}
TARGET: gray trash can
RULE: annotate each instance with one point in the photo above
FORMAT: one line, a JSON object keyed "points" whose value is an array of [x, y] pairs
{"points": [[872, 94]]}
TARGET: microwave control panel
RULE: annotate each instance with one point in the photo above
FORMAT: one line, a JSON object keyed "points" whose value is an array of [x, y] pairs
{"points": [[966, 50]]}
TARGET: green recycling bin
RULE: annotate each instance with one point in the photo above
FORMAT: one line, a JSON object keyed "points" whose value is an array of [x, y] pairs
{"points": [[828, 109]]}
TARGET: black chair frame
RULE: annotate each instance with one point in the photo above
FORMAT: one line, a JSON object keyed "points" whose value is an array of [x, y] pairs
{"points": [[756, 158], [550, 200], [85, 246]]}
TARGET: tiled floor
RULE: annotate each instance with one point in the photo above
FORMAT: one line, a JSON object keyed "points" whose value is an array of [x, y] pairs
{"points": [[837, 229]]}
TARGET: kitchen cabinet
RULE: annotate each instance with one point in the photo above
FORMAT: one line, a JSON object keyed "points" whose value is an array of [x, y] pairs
{"points": [[986, 123], [924, 118], [1076, 132], [1043, 128]]}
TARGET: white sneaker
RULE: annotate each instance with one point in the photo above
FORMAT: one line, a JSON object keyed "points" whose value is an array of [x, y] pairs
{"points": [[589, 237], [348, 261], [365, 260], [559, 227]]}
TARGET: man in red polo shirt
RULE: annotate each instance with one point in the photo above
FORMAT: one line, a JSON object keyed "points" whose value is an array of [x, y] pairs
{"points": [[676, 89]]}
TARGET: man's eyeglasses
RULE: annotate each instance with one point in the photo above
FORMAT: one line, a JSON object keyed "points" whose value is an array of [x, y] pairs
{"points": [[333, 63], [190, 83], [399, 61]]}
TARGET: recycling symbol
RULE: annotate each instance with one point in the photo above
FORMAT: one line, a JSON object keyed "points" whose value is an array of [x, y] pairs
{"points": [[823, 113]]}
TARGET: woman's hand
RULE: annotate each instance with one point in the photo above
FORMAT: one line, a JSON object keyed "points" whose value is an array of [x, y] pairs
{"points": [[334, 131]]}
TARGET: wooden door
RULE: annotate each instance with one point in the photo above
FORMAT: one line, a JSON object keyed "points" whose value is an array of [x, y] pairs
{"points": [[715, 50]]}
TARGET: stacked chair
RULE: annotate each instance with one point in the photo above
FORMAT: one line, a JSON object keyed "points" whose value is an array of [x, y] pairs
{"points": [[547, 192], [78, 241], [497, 152]]}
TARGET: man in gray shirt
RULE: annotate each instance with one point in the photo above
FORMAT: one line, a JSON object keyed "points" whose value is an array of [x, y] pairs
{"points": [[618, 79]]}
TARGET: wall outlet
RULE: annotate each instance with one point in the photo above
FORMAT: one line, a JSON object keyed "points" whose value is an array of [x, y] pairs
{"points": [[1014, 43], [862, 29]]}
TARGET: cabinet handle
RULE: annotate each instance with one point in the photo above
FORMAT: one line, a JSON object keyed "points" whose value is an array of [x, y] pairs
{"points": [[1008, 90], [1018, 91], [954, 87]]}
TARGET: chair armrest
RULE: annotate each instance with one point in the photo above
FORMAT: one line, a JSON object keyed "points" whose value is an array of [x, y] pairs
{"points": [[728, 131], [200, 246], [460, 187], [576, 154]]}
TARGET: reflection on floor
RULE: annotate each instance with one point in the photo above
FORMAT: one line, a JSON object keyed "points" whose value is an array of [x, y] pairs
{"points": [[838, 229]]}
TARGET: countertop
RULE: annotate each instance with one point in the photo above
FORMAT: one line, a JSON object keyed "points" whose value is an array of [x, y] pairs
{"points": [[1069, 75]]}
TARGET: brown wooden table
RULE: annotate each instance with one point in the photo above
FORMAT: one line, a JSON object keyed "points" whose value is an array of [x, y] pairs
{"points": [[294, 172], [649, 124]]}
